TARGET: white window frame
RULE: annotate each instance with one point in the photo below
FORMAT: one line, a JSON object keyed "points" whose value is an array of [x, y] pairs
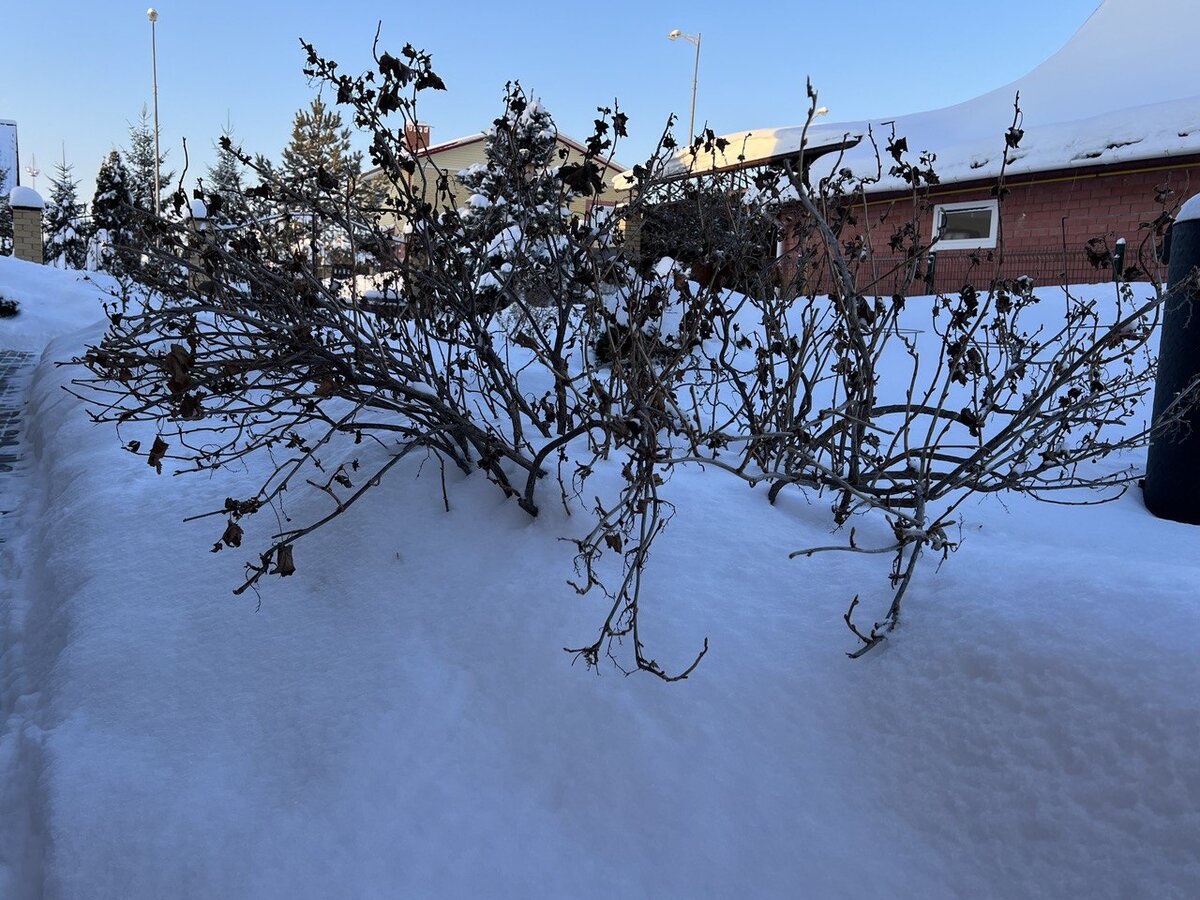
{"points": [[966, 243]]}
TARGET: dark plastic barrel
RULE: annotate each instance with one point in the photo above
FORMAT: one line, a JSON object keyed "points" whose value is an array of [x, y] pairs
{"points": [[1172, 487]]}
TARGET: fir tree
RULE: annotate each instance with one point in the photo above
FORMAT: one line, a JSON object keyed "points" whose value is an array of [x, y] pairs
{"points": [[6, 225], [516, 202], [520, 168], [64, 237], [139, 160], [264, 206], [113, 217], [224, 179]]}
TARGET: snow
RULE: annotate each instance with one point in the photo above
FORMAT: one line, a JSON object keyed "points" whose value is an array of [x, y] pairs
{"points": [[1190, 210], [48, 308], [398, 719], [197, 209], [1152, 131], [23, 197], [1122, 89], [664, 267]]}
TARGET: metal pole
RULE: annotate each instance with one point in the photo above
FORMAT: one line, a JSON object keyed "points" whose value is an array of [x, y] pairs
{"points": [[152, 14], [1118, 260], [695, 79], [675, 34]]}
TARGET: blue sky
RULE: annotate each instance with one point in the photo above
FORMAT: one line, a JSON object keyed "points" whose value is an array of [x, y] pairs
{"points": [[82, 70]]}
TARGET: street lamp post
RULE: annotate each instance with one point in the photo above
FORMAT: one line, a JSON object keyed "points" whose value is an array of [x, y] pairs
{"points": [[695, 39], [152, 15]]}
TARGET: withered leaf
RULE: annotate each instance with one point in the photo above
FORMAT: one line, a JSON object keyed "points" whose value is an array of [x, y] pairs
{"points": [[190, 407], [233, 534], [284, 566], [157, 451], [177, 362]]}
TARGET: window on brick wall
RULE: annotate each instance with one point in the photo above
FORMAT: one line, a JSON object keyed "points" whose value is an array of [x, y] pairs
{"points": [[965, 226]]}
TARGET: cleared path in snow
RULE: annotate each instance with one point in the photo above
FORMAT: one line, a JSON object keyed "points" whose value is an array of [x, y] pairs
{"points": [[19, 756], [51, 302], [15, 366]]}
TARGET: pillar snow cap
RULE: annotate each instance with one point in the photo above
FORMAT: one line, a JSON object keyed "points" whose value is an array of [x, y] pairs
{"points": [[22, 197], [1190, 211]]}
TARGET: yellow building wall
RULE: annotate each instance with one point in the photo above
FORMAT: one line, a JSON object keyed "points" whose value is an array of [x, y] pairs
{"points": [[454, 159]]}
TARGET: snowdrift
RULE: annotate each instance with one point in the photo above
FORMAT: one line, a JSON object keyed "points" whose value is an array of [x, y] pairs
{"points": [[398, 718]]}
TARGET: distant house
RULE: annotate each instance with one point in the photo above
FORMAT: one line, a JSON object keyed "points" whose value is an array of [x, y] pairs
{"points": [[1111, 140], [10, 177], [461, 153], [9, 156]]}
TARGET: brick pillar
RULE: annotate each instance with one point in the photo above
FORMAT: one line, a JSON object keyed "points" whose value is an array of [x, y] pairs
{"points": [[632, 244], [27, 208], [198, 215]]}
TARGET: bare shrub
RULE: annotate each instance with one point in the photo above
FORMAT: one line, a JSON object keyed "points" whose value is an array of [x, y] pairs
{"points": [[543, 346]]}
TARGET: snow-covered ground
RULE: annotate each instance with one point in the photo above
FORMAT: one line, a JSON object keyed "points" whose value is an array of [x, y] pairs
{"points": [[398, 718]]}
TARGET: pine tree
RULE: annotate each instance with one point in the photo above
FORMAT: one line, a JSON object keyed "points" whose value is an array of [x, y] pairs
{"points": [[224, 178], [318, 161], [113, 217], [139, 160], [6, 225], [64, 238], [319, 141]]}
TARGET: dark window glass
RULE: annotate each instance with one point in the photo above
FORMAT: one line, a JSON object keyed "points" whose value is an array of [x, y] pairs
{"points": [[966, 224]]}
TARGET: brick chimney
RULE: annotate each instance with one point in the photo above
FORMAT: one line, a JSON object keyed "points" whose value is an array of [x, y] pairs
{"points": [[416, 136]]}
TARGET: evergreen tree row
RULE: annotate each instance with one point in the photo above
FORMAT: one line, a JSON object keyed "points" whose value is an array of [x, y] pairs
{"points": [[104, 234]]}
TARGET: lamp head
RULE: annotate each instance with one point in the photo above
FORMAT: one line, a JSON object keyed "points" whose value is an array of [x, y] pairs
{"points": [[152, 14], [675, 35]]}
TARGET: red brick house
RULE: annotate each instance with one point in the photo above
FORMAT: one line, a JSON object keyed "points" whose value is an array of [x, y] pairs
{"points": [[1111, 140]]}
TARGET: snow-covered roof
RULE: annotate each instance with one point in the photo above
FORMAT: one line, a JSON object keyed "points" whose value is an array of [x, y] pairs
{"points": [[435, 149], [22, 197], [749, 148], [1125, 87]]}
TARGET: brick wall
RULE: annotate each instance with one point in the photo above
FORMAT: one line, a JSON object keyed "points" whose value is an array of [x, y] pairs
{"points": [[1047, 218]]}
